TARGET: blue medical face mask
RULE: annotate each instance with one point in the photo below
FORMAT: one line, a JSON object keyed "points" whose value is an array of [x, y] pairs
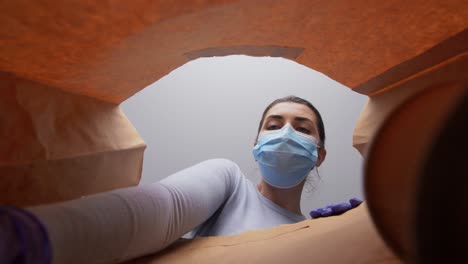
{"points": [[285, 156]]}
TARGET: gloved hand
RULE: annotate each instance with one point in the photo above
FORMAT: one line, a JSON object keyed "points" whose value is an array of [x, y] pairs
{"points": [[23, 239], [335, 209]]}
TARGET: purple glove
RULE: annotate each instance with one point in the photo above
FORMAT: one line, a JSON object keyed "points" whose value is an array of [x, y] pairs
{"points": [[335, 209], [23, 239]]}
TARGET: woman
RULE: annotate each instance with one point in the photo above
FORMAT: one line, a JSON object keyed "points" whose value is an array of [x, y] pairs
{"points": [[210, 198], [290, 143]]}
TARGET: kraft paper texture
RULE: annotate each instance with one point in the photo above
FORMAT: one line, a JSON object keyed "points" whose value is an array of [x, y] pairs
{"points": [[57, 146], [348, 238], [65, 67]]}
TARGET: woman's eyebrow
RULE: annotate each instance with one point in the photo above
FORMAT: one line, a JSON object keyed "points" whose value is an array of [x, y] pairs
{"points": [[275, 117]]}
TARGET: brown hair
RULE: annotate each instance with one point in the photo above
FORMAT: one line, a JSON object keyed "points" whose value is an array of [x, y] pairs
{"points": [[298, 100]]}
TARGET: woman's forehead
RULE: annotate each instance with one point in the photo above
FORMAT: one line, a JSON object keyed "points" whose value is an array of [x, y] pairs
{"points": [[290, 109]]}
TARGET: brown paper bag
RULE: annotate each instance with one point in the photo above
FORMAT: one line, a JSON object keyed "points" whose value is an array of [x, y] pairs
{"points": [[57, 146], [386, 100], [63, 72], [349, 238]]}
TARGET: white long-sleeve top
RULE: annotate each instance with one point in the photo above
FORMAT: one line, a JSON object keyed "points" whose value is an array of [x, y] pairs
{"points": [[210, 198]]}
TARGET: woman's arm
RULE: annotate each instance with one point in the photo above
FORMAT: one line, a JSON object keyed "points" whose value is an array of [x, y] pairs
{"points": [[122, 224]]}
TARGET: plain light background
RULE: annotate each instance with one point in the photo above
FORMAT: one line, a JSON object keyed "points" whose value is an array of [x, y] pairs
{"points": [[211, 108]]}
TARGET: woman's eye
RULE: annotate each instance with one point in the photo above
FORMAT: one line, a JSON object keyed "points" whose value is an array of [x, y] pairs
{"points": [[272, 127], [303, 130]]}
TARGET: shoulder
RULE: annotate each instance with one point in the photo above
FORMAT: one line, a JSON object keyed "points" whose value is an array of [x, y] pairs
{"points": [[225, 168], [222, 165]]}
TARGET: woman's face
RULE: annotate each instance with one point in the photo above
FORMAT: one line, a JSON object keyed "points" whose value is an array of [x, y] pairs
{"points": [[299, 116]]}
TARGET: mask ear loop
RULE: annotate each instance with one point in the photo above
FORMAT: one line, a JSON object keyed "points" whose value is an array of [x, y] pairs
{"points": [[311, 183]]}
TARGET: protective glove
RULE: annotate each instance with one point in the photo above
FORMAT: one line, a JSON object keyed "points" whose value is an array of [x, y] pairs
{"points": [[335, 209], [23, 238]]}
